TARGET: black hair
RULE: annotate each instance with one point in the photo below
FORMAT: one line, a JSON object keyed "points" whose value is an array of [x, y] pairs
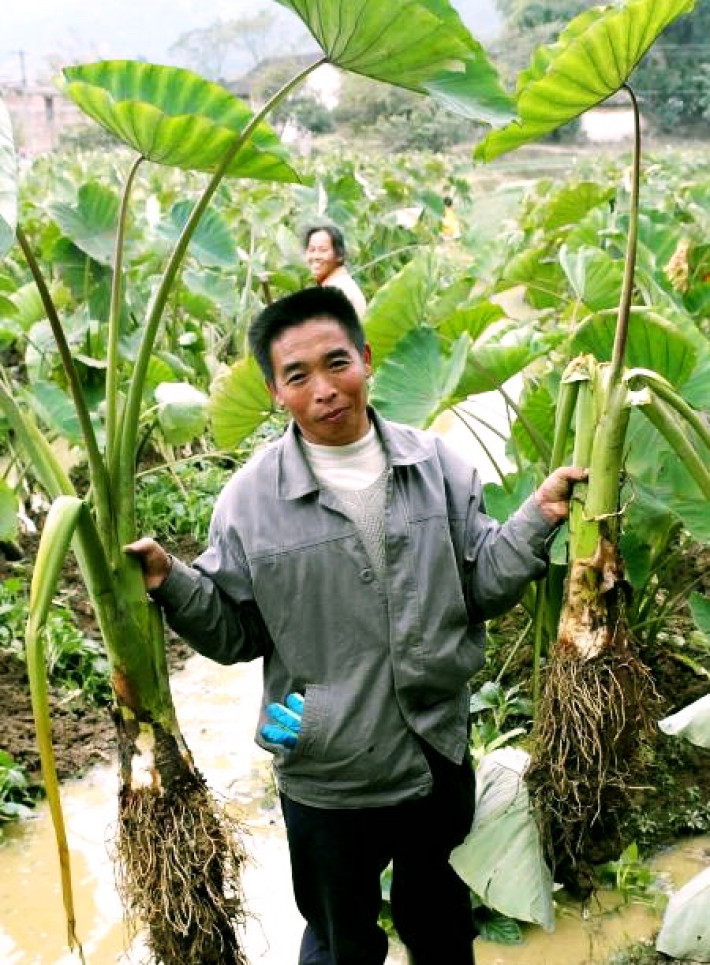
{"points": [[448, 201], [302, 306], [335, 235]]}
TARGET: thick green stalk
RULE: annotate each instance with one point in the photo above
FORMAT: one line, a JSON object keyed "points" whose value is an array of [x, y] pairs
{"points": [[114, 320], [601, 506], [129, 423], [38, 451], [622, 319], [566, 403], [664, 390], [669, 425], [97, 468]]}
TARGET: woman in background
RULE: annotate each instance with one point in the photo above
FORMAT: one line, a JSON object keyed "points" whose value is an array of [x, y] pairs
{"points": [[325, 253]]}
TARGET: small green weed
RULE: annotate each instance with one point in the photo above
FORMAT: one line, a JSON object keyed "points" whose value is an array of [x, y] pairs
{"points": [[499, 704], [74, 662], [15, 797], [635, 882], [179, 502]]}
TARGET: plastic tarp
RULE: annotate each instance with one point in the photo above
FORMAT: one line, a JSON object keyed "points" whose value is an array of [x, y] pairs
{"points": [[501, 858], [692, 722], [685, 932]]}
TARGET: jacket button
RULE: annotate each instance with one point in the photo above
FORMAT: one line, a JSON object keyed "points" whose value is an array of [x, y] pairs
{"points": [[366, 575]]}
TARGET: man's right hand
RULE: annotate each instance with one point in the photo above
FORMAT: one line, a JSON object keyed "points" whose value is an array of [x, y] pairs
{"points": [[154, 561]]}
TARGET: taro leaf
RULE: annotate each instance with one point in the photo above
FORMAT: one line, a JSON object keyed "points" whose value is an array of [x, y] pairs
{"points": [[91, 223], [595, 277], [421, 45], [399, 306], [474, 320], [212, 243], [501, 503], [8, 182], [592, 58], [501, 859], [8, 513], [239, 403], [173, 116], [489, 366], [652, 344], [685, 930], [182, 412], [476, 94], [56, 410], [570, 205], [539, 272], [417, 381]]}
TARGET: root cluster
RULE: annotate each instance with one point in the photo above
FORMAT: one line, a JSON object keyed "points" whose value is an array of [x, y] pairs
{"points": [[596, 717], [178, 859]]}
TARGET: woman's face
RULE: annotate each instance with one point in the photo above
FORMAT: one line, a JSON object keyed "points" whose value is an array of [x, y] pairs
{"points": [[321, 256]]}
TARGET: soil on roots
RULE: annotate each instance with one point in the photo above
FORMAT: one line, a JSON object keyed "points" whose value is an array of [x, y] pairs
{"points": [[180, 858], [596, 717]]}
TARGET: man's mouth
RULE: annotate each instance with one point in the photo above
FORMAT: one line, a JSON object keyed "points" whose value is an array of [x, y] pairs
{"points": [[333, 415]]}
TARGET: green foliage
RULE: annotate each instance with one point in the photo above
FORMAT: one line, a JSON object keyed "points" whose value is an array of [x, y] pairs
{"points": [[179, 503], [15, 796], [632, 878]]}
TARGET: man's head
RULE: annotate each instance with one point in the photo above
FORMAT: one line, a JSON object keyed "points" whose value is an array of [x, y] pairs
{"points": [[325, 249], [311, 348]]}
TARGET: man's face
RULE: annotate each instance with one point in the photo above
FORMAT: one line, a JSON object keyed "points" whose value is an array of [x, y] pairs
{"points": [[321, 256], [321, 378]]}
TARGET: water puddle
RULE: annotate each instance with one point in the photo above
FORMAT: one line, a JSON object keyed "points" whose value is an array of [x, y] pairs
{"points": [[217, 707]]}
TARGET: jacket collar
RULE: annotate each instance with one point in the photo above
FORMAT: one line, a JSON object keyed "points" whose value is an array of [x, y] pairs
{"points": [[402, 445]]}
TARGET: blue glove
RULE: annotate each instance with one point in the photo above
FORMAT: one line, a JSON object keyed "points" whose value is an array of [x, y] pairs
{"points": [[284, 722]]}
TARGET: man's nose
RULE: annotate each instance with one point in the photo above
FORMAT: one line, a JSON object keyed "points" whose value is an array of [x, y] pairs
{"points": [[323, 388]]}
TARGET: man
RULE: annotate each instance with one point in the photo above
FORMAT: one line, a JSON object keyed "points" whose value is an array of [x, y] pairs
{"points": [[354, 557], [325, 254]]}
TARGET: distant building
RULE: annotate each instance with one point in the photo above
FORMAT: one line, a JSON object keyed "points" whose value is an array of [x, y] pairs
{"points": [[611, 122], [39, 114]]}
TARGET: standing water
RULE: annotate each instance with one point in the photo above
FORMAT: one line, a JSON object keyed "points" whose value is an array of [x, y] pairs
{"points": [[217, 708]]}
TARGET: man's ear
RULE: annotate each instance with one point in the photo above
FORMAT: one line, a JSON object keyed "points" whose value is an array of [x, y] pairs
{"points": [[367, 359], [273, 392]]}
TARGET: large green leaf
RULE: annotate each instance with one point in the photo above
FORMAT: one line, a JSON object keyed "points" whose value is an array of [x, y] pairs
{"points": [[501, 859], [399, 306], [652, 344], [592, 58], [8, 182], [421, 45], [489, 366], [212, 243], [239, 403], [173, 116], [685, 931], [91, 223], [595, 277], [182, 412], [417, 380]]}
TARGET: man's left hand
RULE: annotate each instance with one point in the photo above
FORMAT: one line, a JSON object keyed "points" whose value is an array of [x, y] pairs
{"points": [[553, 495]]}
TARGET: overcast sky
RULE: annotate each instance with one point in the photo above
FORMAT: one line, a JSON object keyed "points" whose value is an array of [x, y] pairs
{"points": [[32, 30]]}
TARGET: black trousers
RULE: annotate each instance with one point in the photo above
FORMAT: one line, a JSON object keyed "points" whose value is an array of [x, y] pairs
{"points": [[338, 855]]}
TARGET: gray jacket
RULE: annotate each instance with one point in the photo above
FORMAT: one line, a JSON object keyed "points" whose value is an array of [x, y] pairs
{"points": [[287, 578]]}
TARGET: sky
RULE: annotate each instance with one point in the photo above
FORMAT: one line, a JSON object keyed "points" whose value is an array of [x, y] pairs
{"points": [[84, 30]]}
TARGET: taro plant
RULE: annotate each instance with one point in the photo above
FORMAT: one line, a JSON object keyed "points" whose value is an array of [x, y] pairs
{"points": [[599, 703], [179, 852]]}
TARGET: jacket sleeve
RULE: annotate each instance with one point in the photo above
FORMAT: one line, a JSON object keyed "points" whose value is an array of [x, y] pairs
{"points": [[210, 604], [500, 560]]}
